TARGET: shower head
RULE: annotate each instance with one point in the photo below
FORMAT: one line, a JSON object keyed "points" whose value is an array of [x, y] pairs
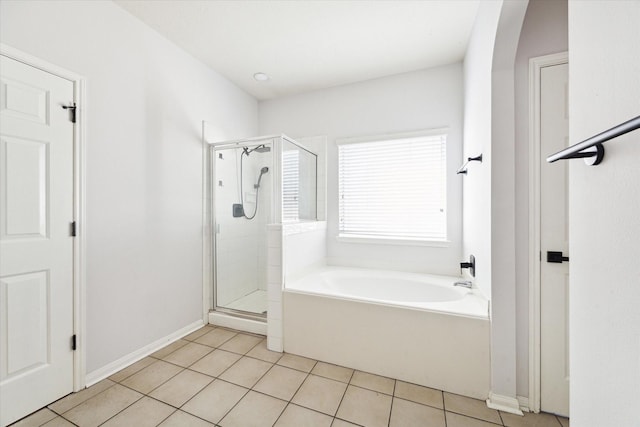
{"points": [[264, 170], [259, 149]]}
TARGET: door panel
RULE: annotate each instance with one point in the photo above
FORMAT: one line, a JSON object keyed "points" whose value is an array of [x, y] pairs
{"points": [[24, 192], [27, 309], [24, 101], [36, 249], [554, 234]]}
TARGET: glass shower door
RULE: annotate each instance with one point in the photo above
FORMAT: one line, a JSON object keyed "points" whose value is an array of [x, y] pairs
{"points": [[242, 208]]}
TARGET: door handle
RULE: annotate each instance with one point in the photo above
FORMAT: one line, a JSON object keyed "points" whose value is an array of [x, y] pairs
{"points": [[556, 257]]}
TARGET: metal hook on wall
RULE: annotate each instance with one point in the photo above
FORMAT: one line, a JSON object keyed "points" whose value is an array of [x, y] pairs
{"points": [[463, 168]]}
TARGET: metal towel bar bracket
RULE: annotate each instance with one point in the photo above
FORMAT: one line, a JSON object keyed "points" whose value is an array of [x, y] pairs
{"points": [[592, 150]]}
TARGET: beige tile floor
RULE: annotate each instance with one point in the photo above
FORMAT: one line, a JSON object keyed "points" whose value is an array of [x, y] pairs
{"points": [[220, 377]]}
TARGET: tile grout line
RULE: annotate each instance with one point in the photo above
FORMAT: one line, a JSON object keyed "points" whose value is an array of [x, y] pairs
{"points": [[71, 394], [413, 401], [374, 390], [233, 407], [162, 383], [179, 409], [167, 417], [214, 378], [444, 408], [69, 421], [249, 389], [308, 374], [393, 396], [343, 394], [475, 418], [123, 409]]}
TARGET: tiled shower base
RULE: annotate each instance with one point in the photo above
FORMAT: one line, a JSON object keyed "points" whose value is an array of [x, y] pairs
{"points": [[221, 377], [255, 302]]}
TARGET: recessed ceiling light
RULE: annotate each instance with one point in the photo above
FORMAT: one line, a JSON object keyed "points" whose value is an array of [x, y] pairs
{"points": [[261, 77]]}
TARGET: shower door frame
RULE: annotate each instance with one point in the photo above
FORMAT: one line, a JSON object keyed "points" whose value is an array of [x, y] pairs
{"points": [[275, 215]]}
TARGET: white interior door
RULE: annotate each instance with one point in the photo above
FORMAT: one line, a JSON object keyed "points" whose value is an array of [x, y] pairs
{"points": [[36, 247], [554, 236]]}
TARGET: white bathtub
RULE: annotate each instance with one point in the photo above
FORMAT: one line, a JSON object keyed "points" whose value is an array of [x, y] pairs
{"points": [[417, 328], [421, 291]]}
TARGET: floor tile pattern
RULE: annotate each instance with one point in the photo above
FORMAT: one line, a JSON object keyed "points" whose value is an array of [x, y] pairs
{"points": [[217, 377]]}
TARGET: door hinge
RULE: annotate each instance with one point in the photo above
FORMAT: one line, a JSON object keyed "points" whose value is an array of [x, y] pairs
{"points": [[72, 111], [72, 229], [74, 343]]}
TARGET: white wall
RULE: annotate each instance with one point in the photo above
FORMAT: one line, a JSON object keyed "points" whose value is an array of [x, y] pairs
{"points": [[476, 217], [544, 32], [489, 193], [145, 102], [305, 248], [503, 284], [604, 216], [419, 100]]}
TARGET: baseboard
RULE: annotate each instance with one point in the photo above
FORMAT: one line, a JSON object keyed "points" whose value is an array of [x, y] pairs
{"points": [[504, 404], [117, 365], [248, 325], [524, 403]]}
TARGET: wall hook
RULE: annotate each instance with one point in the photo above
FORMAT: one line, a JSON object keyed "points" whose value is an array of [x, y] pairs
{"points": [[463, 168]]}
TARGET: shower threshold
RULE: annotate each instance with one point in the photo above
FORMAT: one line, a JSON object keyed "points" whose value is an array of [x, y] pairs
{"points": [[247, 313], [238, 320]]}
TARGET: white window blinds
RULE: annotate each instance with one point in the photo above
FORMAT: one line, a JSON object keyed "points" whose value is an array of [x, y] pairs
{"points": [[394, 188], [290, 185]]}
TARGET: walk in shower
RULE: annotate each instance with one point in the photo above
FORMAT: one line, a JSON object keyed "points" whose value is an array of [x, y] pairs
{"points": [[253, 182]]}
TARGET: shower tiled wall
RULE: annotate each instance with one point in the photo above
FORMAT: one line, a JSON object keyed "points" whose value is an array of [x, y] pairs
{"points": [[293, 249], [241, 246], [275, 281]]}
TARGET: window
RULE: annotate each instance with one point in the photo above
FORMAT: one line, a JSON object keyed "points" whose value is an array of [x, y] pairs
{"points": [[393, 188], [290, 185]]}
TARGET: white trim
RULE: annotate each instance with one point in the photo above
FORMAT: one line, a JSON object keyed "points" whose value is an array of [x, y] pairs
{"points": [[129, 359], [535, 66], [368, 240], [239, 323], [391, 136], [207, 239], [79, 207], [504, 403], [524, 403]]}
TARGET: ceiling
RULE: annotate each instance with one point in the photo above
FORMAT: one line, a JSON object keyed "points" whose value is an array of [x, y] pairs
{"points": [[309, 45]]}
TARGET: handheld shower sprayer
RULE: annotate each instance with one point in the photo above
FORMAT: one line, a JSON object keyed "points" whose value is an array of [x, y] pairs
{"points": [[262, 172], [238, 209]]}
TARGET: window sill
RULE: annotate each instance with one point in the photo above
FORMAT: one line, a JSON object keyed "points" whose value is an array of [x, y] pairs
{"points": [[374, 240]]}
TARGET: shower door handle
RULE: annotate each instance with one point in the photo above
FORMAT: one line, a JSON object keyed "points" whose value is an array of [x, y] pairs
{"points": [[556, 257]]}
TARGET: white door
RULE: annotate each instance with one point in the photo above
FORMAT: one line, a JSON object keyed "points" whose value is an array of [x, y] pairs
{"points": [[36, 247], [554, 236]]}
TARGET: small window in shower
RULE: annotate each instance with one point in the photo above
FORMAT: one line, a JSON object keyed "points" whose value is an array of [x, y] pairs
{"points": [[393, 187], [290, 185], [299, 183]]}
